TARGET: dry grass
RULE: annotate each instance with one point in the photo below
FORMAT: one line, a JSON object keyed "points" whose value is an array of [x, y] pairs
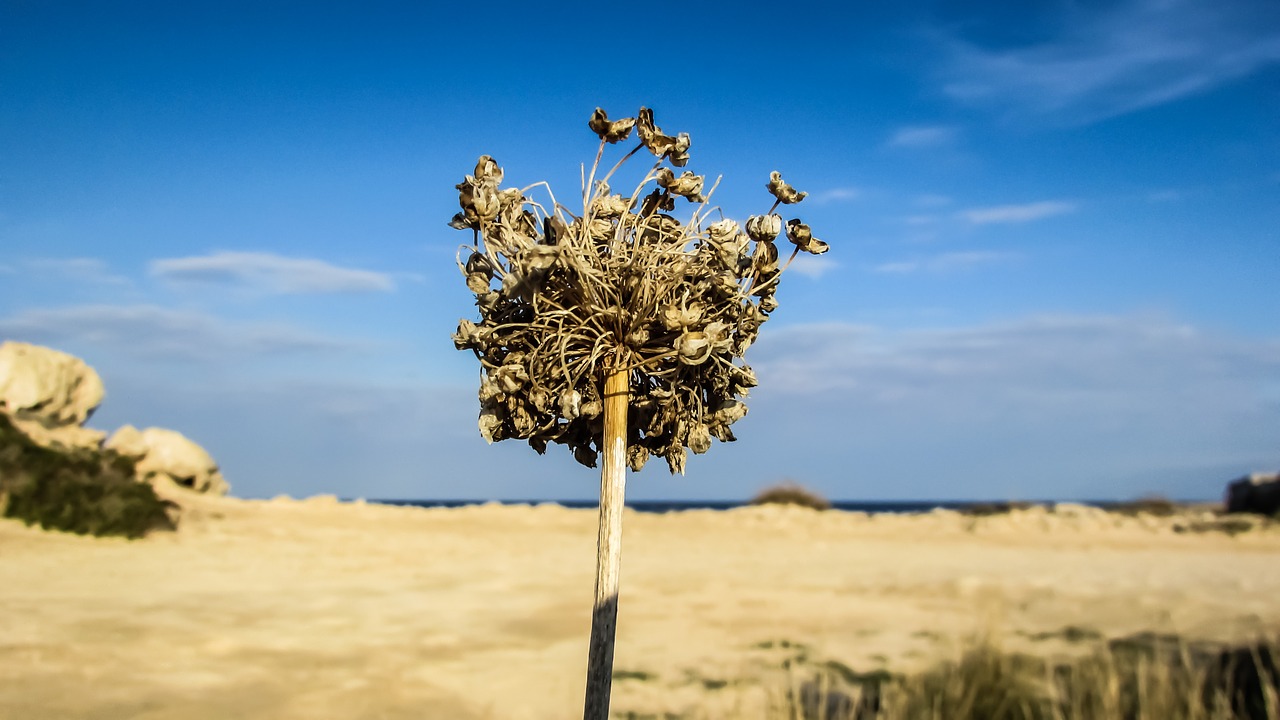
{"points": [[1140, 678]]}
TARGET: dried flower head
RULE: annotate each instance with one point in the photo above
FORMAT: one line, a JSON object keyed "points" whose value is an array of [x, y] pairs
{"points": [[610, 131], [786, 194], [565, 299]]}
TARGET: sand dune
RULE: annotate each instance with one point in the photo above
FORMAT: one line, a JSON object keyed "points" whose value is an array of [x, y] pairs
{"points": [[318, 609]]}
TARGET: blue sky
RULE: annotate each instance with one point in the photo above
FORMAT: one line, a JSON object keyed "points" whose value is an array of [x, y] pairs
{"points": [[1053, 228]]}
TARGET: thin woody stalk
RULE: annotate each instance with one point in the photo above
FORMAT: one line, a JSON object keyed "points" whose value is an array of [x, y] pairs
{"points": [[604, 616], [626, 296]]}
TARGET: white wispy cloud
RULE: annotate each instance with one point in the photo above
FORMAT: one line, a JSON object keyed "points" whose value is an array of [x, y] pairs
{"points": [[1111, 60], [1049, 353], [943, 262], [929, 200], [921, 136], [268, 272], [1041, 406], [83, 269], [836, 195], [1016, 213], [155, 332], [812, 266]]}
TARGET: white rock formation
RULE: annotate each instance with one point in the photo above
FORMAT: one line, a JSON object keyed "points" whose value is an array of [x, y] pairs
{"points": [[167, 455], [49, 395]]}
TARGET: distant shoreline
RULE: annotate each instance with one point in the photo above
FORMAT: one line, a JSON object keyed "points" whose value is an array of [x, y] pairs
{"points": [[873, 507]]}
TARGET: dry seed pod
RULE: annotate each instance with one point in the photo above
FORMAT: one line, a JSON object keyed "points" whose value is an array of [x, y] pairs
{"points": [[802, 237], [688, 185], [764, 228], [785, 194], [610, 131]]}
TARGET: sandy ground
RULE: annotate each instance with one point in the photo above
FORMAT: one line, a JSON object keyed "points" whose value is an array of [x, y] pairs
{"points": [[314, 609]]}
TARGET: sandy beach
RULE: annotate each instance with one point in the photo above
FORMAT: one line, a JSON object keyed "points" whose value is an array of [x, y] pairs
{"points": [[317, 609]]}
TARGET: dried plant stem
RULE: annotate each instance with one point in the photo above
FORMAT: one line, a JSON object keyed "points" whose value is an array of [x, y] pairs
{"points": [[604, 617]]}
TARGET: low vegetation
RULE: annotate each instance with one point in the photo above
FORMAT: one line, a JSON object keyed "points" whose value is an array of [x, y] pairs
{"points": [[994, 508], [1146, 677], [89, 492], [791, 493], [1157, 505]]}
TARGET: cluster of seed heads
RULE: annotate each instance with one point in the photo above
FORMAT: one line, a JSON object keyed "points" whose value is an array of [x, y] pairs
{"points": [[566, 297]]}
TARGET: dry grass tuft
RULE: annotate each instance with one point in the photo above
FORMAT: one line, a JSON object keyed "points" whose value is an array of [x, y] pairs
{"points": [[1144, 677]]}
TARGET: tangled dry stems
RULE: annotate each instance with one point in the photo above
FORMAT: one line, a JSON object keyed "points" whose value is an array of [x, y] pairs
{"points": [[565, 298]]}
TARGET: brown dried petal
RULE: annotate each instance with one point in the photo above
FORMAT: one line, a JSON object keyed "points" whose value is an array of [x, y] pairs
{"points": [[744, 377], [722, 433], [729, 412], [675, 457], [478, 283], [488, 301], [554, 230], [727, 284], [722, 231], [487, 169], [679, 154], [485, 202], [541, 257], [511, 378], [460, 221], [610, 131], [693, 348], [637, 455], [520, 418], [676, 317], [610, 206], [718, 334], [802, 237], [699, 440], [785, 194], [585, 455], [465, 338], [657, 201], [600, 230], [490, 421], [765, 257], [687, 185], [478, 262], [541, 400], [570, 404], [651, 135]]}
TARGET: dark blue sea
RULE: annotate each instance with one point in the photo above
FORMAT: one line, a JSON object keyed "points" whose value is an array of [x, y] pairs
{"points": [[665, 506]]}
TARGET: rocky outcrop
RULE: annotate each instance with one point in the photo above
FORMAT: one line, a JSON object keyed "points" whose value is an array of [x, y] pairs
{"points": [[1256, 493], [161, 454], [49, 395]]}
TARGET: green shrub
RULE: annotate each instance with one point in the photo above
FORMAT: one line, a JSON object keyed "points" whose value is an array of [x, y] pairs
{"points": [[791, 493], [89, 492]]}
